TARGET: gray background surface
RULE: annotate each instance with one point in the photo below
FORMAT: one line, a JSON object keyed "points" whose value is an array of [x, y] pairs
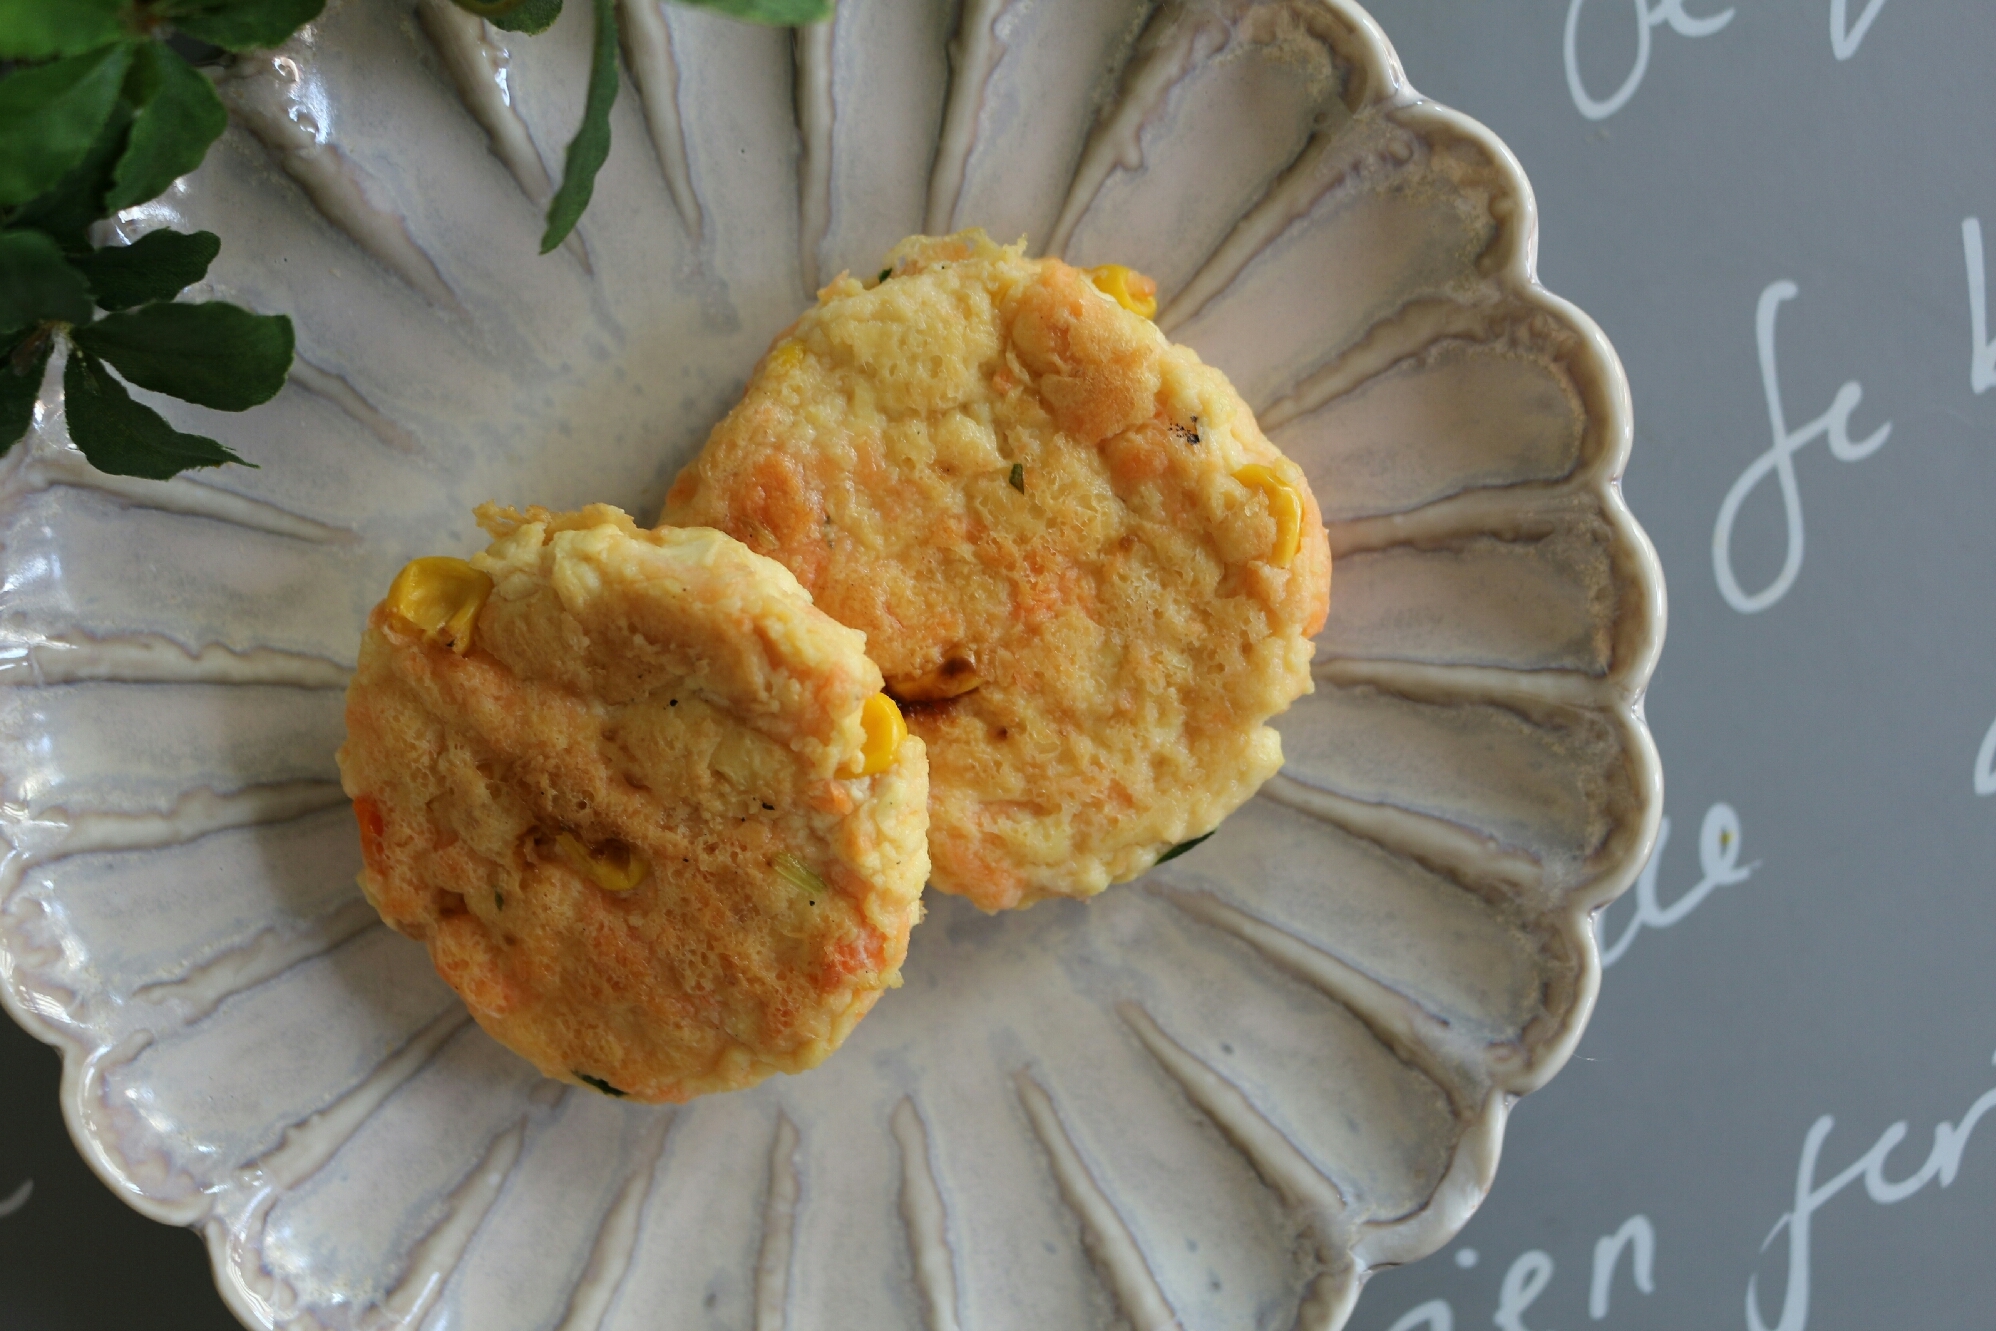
{"points": [[1849, 974]]}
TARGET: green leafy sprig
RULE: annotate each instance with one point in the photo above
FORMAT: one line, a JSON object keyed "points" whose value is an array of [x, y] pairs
{"points": [[590, 147], [99, 114]]}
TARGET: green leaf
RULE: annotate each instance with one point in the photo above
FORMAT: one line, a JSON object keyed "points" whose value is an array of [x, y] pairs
{"points": [[1181, 848], [20, 382], [38, 29], [777, 13], [241, 25], [179, 115], [50, 115], [216, 354], [602, 1085], [37, 283], [77, 200], [591, 144], [121, 436], [156, 266], [531, 16]]}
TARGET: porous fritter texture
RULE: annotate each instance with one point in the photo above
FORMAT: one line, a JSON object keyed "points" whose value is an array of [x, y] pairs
{"points": [[1026, 497], [676, 694]]}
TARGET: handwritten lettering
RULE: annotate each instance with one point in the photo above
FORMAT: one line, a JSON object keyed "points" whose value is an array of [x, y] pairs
{"points": [[1942, 1164], [1528, 1276], [1647, 17], [1985, 764], [1523, 1283], [1434, 1315], [1718, 862], [1637, 1235], [1779, 461], [1981, 378], [1844, 38], [17, 1199], [1981, 351]]}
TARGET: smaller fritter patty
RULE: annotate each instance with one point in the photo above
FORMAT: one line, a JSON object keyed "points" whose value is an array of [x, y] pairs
{"points": [[1075, 557], [647, 807]]}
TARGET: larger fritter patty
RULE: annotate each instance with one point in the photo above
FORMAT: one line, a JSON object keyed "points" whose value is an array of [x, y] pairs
{"points": [[627, 812], [1073, 554]]}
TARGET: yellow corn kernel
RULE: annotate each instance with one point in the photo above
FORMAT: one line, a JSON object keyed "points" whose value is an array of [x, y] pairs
{"points": [[885, 730], [612, 866], [441, 596], [1130, 288], [787, 357], [1284, 505]]}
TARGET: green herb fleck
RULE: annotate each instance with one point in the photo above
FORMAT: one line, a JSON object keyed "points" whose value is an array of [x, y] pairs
{"points": [[799, 875], [885, 273], [498, 900], [601, 1085], [1182, 847], [1017, 480]]}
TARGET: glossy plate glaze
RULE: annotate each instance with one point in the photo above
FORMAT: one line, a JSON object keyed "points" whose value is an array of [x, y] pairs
{"points": [[1215, 1098]]}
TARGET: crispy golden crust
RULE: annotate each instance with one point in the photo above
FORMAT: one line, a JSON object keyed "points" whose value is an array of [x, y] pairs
{"points": [[1027, 499], [666, 692]]}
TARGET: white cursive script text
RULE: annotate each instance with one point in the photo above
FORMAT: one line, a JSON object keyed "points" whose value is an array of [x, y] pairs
{"points": [[1647, 16], [1844, 38], [1718, 862], [1779, 461], [1942, 1164]]}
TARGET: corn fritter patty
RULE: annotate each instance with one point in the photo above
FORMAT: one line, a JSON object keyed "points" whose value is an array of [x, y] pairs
{"points": [[1080, 566], [643, 802]]}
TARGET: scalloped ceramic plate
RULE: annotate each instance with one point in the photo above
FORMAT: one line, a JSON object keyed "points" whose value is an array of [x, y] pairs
{"points": [[1219, 1096]]}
